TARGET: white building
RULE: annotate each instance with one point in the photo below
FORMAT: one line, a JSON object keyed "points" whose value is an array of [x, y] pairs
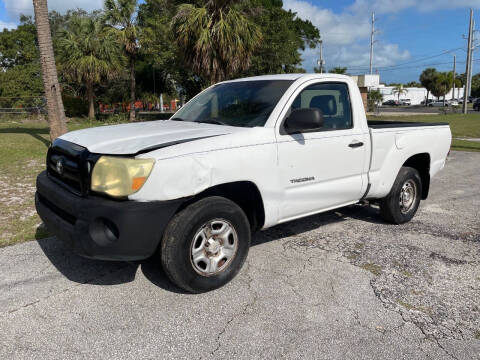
{"points": [[415, 95]]}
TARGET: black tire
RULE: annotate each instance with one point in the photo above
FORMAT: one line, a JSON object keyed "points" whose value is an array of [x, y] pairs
{"points": [[176, 246], [391, 209]]}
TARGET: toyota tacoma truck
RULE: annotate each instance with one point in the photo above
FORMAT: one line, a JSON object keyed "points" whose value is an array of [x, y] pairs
{"points": [[241, 156]]}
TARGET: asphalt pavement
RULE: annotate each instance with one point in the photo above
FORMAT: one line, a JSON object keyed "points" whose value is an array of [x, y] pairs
{"points": [[339, 285]]}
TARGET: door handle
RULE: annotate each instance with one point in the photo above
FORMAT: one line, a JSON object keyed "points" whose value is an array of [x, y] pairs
{"points": [[355, 144]]}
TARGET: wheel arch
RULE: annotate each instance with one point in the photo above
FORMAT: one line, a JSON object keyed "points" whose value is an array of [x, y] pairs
{"points": [[421, 163], [244, 193]]}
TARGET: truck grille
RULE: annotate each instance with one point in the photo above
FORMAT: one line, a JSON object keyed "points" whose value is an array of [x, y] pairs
{"points": [[70, 165]]}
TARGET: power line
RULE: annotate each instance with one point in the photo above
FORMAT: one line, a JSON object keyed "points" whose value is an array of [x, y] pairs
{"points": [[416, 66], [412, 61]]}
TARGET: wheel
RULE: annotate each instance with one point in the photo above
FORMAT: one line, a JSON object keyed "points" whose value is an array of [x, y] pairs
{"points": [[402, 202], [205, 245]]}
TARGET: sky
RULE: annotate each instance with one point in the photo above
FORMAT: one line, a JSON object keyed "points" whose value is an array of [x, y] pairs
{"points": [[411, 34]]}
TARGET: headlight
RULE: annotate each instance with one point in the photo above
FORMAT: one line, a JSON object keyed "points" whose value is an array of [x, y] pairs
{"points": [[118, 177]]}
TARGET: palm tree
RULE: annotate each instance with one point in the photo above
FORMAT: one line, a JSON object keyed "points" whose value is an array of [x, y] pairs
{"points": [[89, 54], [399, 90], [442, 85], [427, 79], [374, 98], [53, 93], [217, 39], [121, 16]]}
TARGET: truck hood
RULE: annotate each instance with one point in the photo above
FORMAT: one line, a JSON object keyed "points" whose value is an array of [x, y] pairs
{"points": [[140, 137]]}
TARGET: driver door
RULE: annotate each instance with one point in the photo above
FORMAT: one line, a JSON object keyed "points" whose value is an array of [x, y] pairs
{"points": [[324, 168]]}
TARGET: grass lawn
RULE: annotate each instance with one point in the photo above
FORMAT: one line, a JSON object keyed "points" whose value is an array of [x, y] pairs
{"points": [[463, 126], [23, 147]]}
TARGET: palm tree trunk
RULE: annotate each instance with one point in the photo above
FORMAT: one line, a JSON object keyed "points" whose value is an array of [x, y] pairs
{"points": [[91, 104], [132, 89], [56, 112], [426, 101]]}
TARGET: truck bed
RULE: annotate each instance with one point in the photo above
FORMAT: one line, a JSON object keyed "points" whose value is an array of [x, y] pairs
{"points": [[393, 142], [377, 124]]}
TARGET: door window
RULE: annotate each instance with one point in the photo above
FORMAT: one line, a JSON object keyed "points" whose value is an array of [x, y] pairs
{"points": [[332, 99]]}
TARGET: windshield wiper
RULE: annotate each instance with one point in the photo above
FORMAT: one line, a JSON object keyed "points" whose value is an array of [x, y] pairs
{"points": [[177, 119], [212, 121]]}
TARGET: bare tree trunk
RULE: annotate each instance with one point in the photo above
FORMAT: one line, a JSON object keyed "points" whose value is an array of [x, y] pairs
{"points": [[56, 112], [91, 104], [132, 89], [426, 101]]}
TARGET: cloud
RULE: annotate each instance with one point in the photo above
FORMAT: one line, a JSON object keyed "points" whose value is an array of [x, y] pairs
{"points": [[16, 7], [356, 57], [346, 38], [7, 25], [342, 28]]}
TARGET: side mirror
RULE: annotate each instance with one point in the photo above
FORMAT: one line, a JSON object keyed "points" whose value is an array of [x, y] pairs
{"points": [[301, 120]]}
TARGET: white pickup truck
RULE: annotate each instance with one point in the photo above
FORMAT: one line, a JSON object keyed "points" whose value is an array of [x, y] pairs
{"points": [[242, 155]]}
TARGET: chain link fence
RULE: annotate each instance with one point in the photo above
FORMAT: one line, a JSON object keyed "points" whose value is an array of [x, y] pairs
{"points": [[22, 105]]}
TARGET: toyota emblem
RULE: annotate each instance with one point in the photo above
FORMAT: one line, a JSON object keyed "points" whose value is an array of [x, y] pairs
{"points": [[59, 166]]}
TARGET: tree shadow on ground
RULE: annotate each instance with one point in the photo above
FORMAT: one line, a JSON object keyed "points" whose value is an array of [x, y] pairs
{"points": [[97, 272], [36, 133]]}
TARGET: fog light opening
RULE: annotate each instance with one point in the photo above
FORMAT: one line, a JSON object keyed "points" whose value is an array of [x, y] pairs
{"points": [[104, 231]]}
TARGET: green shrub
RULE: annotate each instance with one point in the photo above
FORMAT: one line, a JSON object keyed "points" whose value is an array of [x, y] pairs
{"points": [[75, 106]]}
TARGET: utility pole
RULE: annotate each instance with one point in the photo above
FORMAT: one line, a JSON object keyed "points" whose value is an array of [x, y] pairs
{"points": [[372, 41], [468, 68], [454, 74], [321, 61], [471, 59]]}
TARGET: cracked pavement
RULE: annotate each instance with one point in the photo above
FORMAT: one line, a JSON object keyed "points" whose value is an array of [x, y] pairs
{"points": [[339, 285]]}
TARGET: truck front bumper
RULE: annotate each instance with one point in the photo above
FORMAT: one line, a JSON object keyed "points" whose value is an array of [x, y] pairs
{"points": [[100, 228]]}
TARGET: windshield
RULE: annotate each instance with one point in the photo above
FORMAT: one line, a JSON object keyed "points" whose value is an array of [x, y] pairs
{"points": [[243, 103]]}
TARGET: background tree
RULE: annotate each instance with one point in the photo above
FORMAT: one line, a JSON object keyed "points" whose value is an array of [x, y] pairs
{"points": [[89, 55], [121, 16], [374, 98], [20, 71], [475, 85], [159, 68], [443, 82], [216, 39], [56, 113], [427, 79], [413, 84], [399, 90], [283, 34], [338, 70]]}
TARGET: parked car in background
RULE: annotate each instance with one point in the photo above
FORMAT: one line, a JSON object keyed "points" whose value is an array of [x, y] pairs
{"points": [[470, 100], [405, 102], [452, 103], [437, 103], [428, 102], [390, 103], [476, 104]]}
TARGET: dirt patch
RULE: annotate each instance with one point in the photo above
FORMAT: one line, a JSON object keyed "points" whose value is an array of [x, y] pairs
{"points": [[18, 218]]}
